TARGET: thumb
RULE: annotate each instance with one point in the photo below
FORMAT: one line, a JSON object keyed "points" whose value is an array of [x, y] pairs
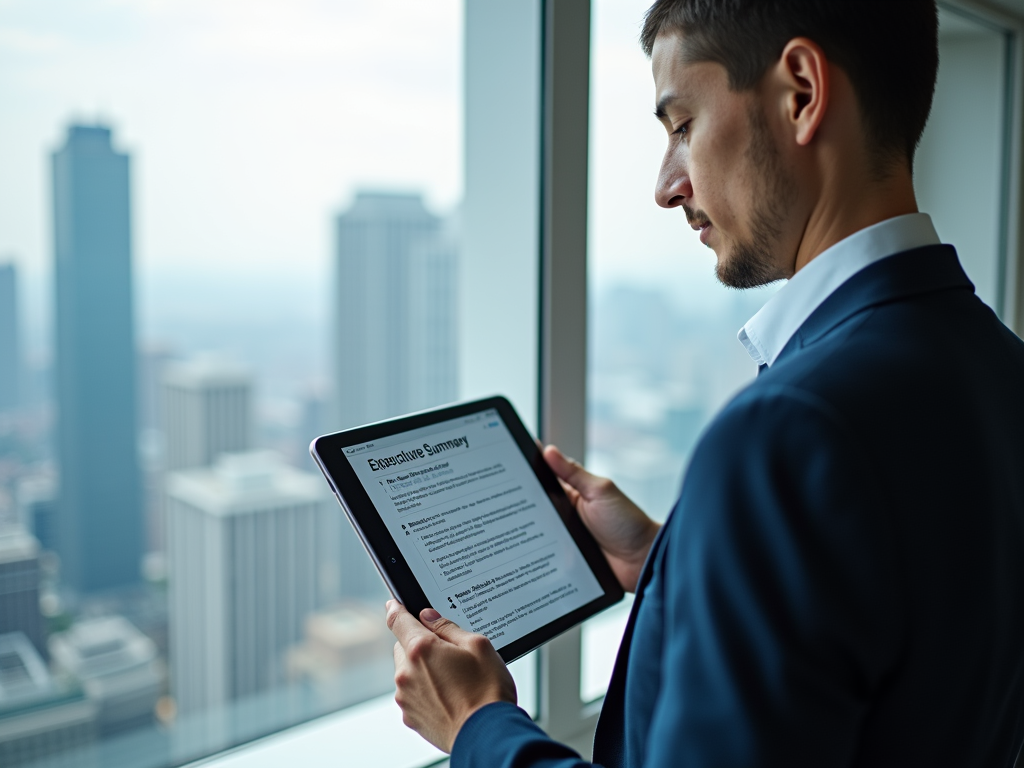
{"points": [[572, 473], [442, 627]]}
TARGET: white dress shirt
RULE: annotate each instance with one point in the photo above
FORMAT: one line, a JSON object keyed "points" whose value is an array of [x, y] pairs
{"points": [[767, 332]]}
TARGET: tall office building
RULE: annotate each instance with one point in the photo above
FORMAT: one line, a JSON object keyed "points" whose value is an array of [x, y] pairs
{"points": [[206, 409], [253, 550], [36, 500], [101, 516], [152, 360], [10, 361], [394, 326], [19, 586]]}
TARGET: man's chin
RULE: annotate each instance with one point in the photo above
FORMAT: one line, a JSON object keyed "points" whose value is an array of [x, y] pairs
{"points": [[743, 268]]}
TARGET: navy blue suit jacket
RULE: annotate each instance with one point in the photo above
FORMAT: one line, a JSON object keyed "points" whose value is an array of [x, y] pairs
{"points": [[842, 579]]}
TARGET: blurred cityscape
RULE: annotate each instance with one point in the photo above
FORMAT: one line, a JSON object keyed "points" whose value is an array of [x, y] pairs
{"points": [[175, 577]]}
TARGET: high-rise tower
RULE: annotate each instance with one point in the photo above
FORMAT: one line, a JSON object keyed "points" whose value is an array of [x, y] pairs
{"points": [[206, 411], [10, 363], [100, 507], [394, 299], [19, 586]]}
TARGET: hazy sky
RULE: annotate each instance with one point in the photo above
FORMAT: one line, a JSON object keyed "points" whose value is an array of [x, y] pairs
{"points": [[630, 236], [251, 122]]}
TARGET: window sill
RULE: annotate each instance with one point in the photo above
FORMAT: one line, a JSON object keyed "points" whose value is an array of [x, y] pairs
{"points": [[371, 733]]}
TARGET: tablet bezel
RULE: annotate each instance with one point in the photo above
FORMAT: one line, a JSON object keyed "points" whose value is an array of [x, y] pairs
{"points": [[387, 555]]}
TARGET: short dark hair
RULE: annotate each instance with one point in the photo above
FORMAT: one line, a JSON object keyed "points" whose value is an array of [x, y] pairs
{"points": [[888, 48]]}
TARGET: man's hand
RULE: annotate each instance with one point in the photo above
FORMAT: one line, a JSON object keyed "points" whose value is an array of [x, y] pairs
{"points": [[620, 527], [443, 674]]}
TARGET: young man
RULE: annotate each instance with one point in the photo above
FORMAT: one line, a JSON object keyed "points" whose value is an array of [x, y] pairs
{"points": [[842, 579]]}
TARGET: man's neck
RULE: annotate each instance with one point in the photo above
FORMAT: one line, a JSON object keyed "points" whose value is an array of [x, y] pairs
{"points": [[843, 209]]}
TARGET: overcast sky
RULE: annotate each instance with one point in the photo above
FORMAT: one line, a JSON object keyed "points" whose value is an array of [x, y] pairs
{"points": [[251, 122]]}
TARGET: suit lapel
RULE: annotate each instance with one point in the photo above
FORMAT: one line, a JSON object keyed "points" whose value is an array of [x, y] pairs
{"points": [[608, 740]]}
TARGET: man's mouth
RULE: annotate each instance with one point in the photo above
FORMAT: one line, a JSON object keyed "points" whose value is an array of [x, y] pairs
{"points": [[704, 227], [699, 221]]}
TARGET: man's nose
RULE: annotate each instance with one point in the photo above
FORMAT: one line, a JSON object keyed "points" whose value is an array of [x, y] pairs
{"points": [[674, 187]]}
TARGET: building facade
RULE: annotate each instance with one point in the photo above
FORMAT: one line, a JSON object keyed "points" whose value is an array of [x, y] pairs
{"points": [[253, 549], [19, 586], [100, 506], [206, 410], [117, 666], [39, 716], [395, 309], [10, 359]]}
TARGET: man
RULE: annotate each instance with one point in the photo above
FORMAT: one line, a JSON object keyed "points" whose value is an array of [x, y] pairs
{"points": [[842, 579]]}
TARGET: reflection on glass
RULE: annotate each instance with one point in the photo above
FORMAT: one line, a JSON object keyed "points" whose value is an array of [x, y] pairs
{"points": [[663, 353], [218, 241]]}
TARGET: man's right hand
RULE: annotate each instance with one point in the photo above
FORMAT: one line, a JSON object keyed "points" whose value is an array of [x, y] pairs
{"points": [[620, 527]]}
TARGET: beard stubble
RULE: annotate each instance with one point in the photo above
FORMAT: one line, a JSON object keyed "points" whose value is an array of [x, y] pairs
{"points": [[754, 263]]}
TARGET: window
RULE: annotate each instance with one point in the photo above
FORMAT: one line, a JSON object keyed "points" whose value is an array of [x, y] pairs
{"points": [[242, 157], [227, 228]]}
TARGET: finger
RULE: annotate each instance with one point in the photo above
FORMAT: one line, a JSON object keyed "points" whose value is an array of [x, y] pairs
{"points": [[403, 624], [573, 473], [572, 493], [444, 628], [399, 652]]}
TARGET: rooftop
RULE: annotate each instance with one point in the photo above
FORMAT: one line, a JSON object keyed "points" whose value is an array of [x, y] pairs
{"points": [[17, 544], [102, 646], [23, 674], [243, 483], [206, 371]]}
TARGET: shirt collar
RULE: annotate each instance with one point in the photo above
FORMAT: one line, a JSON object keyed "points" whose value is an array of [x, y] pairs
{"points": [[767, 332]]}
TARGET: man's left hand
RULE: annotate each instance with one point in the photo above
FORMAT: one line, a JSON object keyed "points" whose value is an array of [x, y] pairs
{"points": [[443, 674]]}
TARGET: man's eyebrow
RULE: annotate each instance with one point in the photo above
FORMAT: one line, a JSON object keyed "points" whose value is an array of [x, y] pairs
{"points": [[663, 102]]}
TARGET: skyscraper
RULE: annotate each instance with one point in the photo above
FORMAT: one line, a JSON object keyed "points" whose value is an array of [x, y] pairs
{"points": [[10, 362], [101, 517], [394, 299], [253, 549], [19, 586], [206, 411]]}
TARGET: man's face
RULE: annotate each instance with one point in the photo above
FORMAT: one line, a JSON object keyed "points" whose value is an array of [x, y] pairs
{"points": [[723, 168]]}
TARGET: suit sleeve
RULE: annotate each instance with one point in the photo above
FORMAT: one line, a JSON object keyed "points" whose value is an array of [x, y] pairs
{"points": [[501, 735], [784, 602]]}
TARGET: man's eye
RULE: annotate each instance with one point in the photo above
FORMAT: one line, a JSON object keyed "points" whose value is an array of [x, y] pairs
{"points": [[682, 130]]}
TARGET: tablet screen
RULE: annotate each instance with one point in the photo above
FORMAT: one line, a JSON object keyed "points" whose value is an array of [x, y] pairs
{"points": [[475, 526]]}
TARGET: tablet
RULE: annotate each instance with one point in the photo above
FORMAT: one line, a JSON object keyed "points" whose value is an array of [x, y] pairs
{"points": [[459, 511]]}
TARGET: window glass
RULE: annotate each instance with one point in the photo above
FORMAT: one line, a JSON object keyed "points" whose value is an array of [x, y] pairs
{"points": [[964, 183], [225, 228], [663, 354]]}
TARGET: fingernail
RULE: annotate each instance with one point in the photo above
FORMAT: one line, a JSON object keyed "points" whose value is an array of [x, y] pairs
{"points": [[430, 615]]}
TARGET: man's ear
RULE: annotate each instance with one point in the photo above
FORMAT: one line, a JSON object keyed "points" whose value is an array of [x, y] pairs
{"points": [[804, 74]]}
